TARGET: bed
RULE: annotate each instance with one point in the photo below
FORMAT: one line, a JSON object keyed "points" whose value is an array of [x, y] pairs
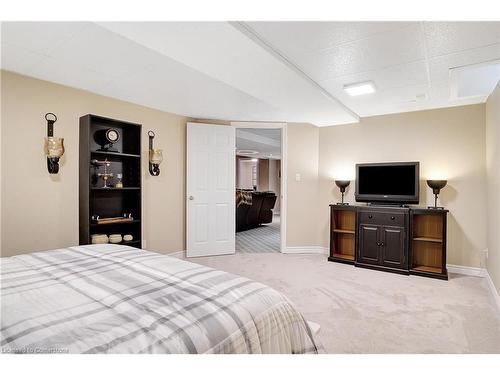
{"points": [[118, 299]]}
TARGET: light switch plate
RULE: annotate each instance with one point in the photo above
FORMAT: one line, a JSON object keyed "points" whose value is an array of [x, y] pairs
{"points": [[297, 177]]}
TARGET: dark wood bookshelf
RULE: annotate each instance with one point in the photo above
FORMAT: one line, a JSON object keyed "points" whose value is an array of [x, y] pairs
{"points": [[119, 223], [115, 189], [125, 158], [108, 153]]}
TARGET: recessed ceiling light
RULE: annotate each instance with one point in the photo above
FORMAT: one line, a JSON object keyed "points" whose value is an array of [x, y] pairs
{"points": [[360, 88], [247, 152]]}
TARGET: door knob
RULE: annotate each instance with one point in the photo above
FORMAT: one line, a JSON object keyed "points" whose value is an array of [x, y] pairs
{"points": [[191, 198]]}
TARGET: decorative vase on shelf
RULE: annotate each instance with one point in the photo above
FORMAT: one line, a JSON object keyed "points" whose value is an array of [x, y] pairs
{"points": [[119, 183]]}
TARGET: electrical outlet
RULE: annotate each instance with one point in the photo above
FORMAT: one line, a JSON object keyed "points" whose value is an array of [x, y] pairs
{"points": [[484, 258]]}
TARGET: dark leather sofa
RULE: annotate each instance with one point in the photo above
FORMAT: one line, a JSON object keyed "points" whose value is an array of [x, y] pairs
{"points": [[258, 213]]}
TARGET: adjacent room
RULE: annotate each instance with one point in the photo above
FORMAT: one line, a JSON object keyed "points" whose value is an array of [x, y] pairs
{"points": [[250, 187], [258, 190]]}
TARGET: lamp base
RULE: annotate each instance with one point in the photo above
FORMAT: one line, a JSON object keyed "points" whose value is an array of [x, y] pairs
{"points": [[342, 204], [435, 208]]}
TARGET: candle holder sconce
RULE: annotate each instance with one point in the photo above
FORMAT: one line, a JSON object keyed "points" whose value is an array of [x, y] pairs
{"points": [[54, 146]]}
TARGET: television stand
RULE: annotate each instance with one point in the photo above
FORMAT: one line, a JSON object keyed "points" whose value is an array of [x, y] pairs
{"points": [[387, 204], [405, 240]]}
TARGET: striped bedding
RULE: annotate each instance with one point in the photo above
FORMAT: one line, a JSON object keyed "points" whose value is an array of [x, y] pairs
{"points": [[118, 299]]}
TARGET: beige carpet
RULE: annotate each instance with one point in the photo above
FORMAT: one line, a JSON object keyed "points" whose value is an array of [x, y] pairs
{"points": [[365, 311]]}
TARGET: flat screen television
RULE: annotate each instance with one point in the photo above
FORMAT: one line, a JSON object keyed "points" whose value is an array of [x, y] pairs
{"points": [[387, 182]]}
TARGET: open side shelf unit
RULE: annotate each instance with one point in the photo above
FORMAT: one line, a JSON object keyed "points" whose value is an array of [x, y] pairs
{"points": [[428, 243], [342, 234], [113, 201]]}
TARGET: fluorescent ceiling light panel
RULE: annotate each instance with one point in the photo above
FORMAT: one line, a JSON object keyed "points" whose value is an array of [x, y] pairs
{"points": [[360, 88], [247, 152]]}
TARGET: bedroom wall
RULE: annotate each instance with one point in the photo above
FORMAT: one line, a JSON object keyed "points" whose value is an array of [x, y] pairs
{"points": [[493, 184], [40, 211], [302, 196], [449, 143]]}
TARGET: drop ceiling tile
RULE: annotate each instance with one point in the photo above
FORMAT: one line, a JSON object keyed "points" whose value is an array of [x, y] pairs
{"points": [[385, 101], [379, 51], [475, 80], [439, 66], [296, 38], [414, 73], [440, 95], [447, 37], [403, 100]]}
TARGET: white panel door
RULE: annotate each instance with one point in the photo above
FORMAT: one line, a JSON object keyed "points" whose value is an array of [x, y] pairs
{"points": [[210, 188]]}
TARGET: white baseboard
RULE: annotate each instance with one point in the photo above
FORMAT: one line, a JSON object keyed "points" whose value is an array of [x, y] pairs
{"points": [[289, 250], [494, 291], [306, 250], [178, 254], [464, 270], [478, 272]]}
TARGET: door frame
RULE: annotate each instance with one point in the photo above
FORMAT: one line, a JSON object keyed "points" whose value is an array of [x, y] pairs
{"points": [[284, 154]]}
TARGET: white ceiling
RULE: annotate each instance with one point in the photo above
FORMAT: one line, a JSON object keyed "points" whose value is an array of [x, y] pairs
{"points": [[405, 60], [265, 142], [259, 71]]}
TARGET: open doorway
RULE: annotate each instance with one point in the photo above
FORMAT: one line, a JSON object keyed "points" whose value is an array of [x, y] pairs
{"points": [[258, 190]]}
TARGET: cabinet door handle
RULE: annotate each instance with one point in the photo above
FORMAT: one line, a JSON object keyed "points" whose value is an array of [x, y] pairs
{"points": [[378, 243], [370, 216], [392, 218], [381, 244]]}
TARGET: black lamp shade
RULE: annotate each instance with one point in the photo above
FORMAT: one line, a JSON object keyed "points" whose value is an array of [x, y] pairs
{"points": [[342, 184], [436, 185]]}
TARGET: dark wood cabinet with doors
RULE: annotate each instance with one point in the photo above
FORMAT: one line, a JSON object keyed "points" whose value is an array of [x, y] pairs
{"points": [[395, 239], [383, 234]]}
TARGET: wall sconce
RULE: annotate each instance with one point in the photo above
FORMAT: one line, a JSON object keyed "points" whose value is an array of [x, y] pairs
{"points": [[155, 156], [54, 146]]}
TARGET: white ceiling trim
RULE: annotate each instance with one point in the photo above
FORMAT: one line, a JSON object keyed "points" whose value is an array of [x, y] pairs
{"points": [[252, 34]]}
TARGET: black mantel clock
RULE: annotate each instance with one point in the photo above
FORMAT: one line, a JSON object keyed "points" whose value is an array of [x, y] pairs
{"points": [[106, 138]]}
